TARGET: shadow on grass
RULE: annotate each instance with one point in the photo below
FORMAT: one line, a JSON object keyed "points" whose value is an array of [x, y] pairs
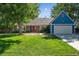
{"points": [[48, 36], [5, 44], [7, 35]]}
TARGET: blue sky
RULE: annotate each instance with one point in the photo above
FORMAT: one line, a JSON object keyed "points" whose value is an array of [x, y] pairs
{"points": [[45, 9]]}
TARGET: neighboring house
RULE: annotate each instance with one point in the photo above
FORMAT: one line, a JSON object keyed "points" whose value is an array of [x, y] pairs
{"points": [[62, 24], [38, 24]]}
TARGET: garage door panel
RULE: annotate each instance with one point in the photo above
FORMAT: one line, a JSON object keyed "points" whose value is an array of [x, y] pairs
{"points": [[63, 29]]}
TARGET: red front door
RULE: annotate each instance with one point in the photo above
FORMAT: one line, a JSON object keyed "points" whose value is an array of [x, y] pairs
{"points": [[35, 28]]}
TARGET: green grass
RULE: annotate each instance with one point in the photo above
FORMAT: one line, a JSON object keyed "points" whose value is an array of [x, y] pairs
{"points": [[21, 45]]}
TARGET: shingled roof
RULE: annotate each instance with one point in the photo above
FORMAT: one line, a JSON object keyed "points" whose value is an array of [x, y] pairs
{"points": [[40, 21]]}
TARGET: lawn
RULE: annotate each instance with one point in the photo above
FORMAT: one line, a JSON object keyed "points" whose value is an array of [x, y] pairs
{"points": [[34, 45]]}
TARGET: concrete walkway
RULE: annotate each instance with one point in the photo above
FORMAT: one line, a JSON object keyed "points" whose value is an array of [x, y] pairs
{"points": [[33, 33], [72, 40], [75, 45]]}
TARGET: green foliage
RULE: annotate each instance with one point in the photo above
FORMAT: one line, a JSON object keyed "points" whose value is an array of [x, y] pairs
{"points": [[72, 9], [16, 14]]}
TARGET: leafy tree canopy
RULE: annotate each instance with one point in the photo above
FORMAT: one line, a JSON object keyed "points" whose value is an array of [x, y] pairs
{"points": [[17, 13], [72, 9]]}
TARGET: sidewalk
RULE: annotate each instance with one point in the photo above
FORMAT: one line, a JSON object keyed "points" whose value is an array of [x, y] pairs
{"points": [[72, 40], [74, 44]]}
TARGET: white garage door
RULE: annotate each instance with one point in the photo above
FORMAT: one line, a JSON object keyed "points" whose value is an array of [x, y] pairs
{"points": [[63, 29]]}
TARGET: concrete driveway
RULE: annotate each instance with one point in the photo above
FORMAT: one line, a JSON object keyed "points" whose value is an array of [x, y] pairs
{"points": [[71, 39]]}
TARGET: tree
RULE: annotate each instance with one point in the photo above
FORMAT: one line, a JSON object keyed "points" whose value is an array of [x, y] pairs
{"points": [[17, 14], [70, 8], [25, 12], [5, 13]]}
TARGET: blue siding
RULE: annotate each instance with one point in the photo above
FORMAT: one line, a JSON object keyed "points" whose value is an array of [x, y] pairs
{"points": [[73, 29], [52, 28], [63, 19]]}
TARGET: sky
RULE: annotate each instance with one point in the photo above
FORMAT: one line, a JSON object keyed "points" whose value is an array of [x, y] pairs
{"points": [[45, 9]]}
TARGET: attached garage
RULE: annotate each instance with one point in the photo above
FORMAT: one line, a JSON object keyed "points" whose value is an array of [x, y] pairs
{"points": [[63, 29], [62, 24]]}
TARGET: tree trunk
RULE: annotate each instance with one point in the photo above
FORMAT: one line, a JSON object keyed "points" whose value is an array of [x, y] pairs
{"points": [[20, 29], [19, 23]]}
